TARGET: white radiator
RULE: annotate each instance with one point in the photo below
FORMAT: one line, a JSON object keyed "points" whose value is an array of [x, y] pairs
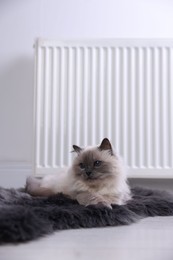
{"points": [[120, 89]]}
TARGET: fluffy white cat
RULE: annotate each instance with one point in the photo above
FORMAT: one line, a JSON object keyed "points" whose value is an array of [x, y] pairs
{"points": [[96, 177]]}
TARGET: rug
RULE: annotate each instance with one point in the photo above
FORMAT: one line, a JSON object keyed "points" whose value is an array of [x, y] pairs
{"points": [[24, 218]]}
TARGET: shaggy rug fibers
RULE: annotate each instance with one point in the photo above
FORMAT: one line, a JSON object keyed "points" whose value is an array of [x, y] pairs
{"points": [[23, 217]]}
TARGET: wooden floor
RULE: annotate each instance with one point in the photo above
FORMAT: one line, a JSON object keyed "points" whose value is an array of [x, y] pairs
{"points": [[149, 239]]}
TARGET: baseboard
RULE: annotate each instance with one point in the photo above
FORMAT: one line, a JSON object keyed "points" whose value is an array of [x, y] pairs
{"points": [[14, 174]]}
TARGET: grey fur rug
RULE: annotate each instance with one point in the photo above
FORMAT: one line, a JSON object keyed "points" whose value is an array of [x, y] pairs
{"points": [[23, 217]]}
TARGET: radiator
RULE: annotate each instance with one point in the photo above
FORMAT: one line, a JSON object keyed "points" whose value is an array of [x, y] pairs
{"points": [[91, 89]]}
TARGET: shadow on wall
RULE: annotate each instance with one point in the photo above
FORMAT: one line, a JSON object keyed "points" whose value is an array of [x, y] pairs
{"points": [[162, 184], [16, 111]]}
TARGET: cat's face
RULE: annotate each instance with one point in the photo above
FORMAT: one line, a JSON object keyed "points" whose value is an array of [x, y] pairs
{"points": [[94, 163]]}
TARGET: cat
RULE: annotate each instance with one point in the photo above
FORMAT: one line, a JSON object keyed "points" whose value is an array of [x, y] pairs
{"points": [[96, 177]]}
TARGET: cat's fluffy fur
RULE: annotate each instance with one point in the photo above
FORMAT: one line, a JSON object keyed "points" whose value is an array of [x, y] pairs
{"points": [[95, 177]]}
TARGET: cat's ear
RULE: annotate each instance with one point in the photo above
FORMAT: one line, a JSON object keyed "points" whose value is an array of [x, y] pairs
{"points": [[106, 145], [77, 149]]}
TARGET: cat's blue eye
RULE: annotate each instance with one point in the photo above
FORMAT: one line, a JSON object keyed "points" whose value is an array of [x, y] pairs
{"points": [[82, 166], [97, 163]]}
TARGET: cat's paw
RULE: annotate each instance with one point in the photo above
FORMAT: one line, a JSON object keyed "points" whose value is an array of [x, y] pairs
{"points": [[100, 203], [103, 204], [88, 199], [32, 184]]}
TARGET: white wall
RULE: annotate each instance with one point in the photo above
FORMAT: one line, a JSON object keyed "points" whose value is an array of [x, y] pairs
{"points": [[22, 21]]}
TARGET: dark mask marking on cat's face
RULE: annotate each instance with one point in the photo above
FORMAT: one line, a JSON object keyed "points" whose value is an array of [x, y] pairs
{"points": [[90, 166]]}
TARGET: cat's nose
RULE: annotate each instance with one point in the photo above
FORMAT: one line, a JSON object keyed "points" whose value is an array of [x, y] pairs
{"points": [[88, 173]]}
